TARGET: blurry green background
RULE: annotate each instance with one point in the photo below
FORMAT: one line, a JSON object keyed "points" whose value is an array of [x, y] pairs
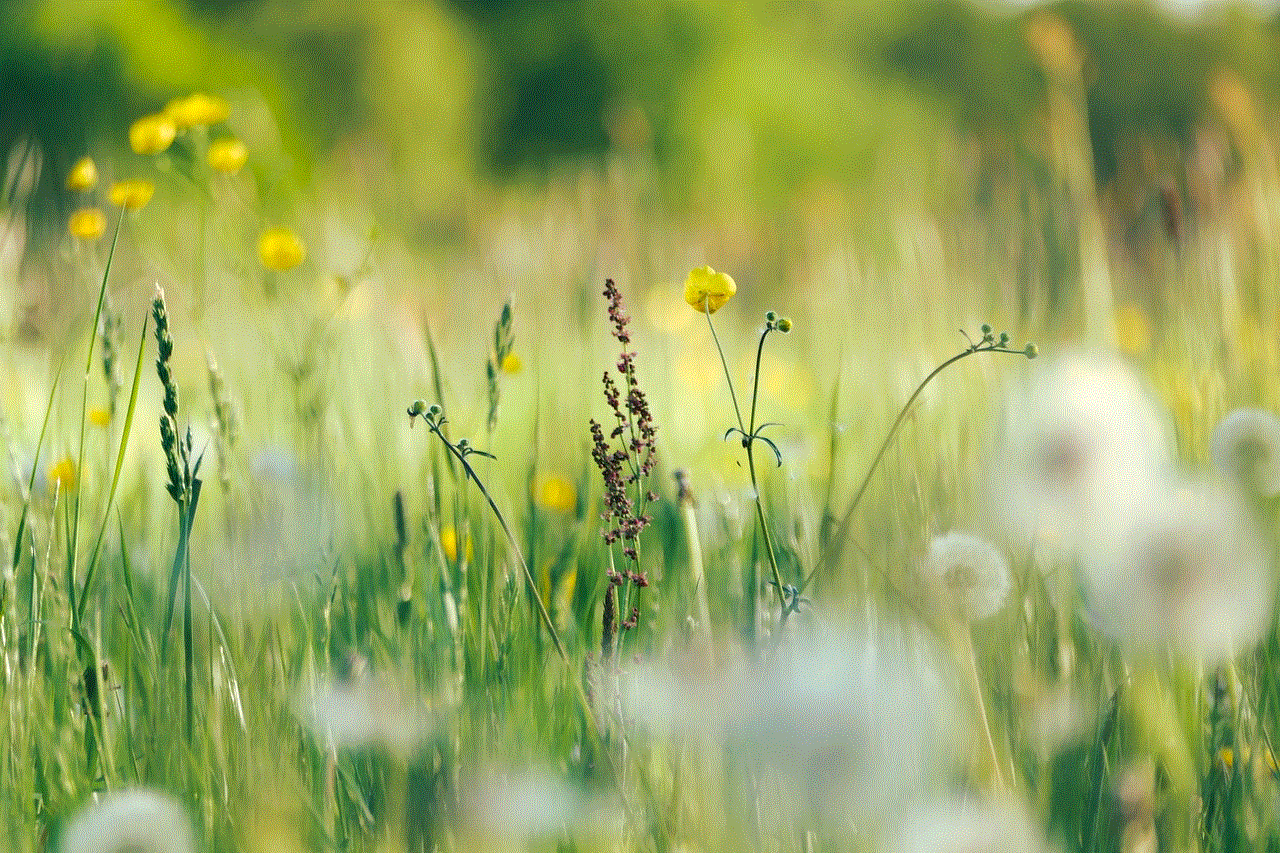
{"points": [[738, 106]]}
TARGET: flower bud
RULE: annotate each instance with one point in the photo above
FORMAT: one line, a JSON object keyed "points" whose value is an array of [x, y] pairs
{"points": [[783, 325]]}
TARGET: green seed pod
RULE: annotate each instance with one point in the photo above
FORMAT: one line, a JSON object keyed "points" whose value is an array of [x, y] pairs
{"points": [[416, 408], [1031, 351], [783, 325], [771, 317]]}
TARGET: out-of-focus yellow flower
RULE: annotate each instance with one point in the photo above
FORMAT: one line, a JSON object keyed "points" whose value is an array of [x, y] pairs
{"points": [[228, 154], [280, 249], [449, 544], [152, 134], [708, 290], [83, 175], [557, 494], [1226, 758], [197, 109], [511, 363], [133, 195], [100, 418], [1133, 329], [87, 223], [63, 474]]}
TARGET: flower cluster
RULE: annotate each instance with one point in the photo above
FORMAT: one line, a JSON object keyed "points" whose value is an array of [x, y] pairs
{"points": [[627, 465]]}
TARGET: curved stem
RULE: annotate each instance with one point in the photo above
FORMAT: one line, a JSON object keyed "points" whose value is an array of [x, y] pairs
{"points": [[511, 538], [831, 550], [755, 381]]}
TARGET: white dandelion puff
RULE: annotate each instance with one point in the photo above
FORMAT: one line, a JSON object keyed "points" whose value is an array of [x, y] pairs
{"points": [[1246, 449], [135, 820], [968, 575], [364, 713], [1080, 439], [857, 724], [1188, 569], [961, 827]]}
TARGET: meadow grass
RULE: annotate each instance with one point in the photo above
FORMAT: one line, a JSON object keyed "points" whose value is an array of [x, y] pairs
{"points": [[397, 639]]}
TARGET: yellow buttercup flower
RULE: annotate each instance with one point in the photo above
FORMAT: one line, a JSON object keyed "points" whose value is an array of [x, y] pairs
{"points": [[511, 363], [63, 473], [100, 418], [708, 290], [133, 195], [83, 175], [197, 109], [152, 134], [280, 249], [228, 154], [449, 544], [556, 493], [87, 223]]}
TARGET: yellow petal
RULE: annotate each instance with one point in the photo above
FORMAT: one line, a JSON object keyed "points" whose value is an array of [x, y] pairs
{"points": [[83, 175], [280, 249], [87, 223], [228, 154], [133, 195], [152, 134], [708, 290]]}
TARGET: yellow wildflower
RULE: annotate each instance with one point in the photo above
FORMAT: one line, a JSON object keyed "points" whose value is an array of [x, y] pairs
{"points": [[131, 194], [557, 494], [1226, 758], [280, 249], [449, 544], [197, 109], [83, 175], [152, 134], [511, 363], [87, 223], [63, 474], [708, 290], [100, 418], [228, 154]]}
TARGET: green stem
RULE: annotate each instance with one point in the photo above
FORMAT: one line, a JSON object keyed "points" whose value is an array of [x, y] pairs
{"points": [[832, 549], [724, 363], [84, 411], [511, 538]]}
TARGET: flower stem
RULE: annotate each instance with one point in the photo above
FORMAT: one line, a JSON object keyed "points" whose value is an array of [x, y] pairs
{"points": [[832, 548], [748, 442]]}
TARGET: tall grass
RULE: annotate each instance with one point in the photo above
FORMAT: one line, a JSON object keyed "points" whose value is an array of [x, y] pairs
{"points": [[393, 641]]}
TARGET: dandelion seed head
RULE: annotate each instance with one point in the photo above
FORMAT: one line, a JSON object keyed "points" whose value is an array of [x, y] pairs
{"points": [[968, 574], [1187, 568], [135, 820]]}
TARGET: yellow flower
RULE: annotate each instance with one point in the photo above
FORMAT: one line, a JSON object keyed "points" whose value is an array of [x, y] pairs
{"points": [[280, 249], [100, 418], [131, 194], [87, 223], [83, 175], [228, 154], [708, 290], [1226, 758], [449, 544], [63, 473], [511, 363], [556, 493], [152, 134], [197, 109]]}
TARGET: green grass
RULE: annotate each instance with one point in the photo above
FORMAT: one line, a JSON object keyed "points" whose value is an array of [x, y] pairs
{"points": [[303, 584]]}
